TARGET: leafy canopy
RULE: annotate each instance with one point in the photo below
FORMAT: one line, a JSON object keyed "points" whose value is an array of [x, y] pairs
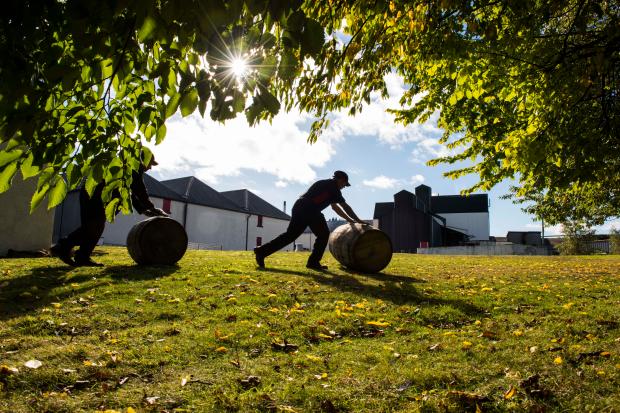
{"points": [[526, 89], [85, 82]]}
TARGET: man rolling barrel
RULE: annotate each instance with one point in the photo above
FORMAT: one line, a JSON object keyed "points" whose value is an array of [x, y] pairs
{"points": [[92, 214], [307, 213]]}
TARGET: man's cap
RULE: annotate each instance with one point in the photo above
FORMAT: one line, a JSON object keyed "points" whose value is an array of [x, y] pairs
{"points": [[342, 175]]}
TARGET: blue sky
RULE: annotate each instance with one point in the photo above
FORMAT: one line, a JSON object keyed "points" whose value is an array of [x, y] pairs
{"points": [[275, 161]]}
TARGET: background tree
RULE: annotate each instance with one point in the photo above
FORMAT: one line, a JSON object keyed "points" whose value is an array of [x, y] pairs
{"points": [[556, 206], [614, 241], [576, 237], [526, 89]]}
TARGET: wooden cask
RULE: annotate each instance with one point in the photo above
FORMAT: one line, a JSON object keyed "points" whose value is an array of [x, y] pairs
{"points": [[361, 247], [157, 241]]}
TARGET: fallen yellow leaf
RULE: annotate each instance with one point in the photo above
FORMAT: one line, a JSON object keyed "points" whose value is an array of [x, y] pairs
{"points": [[221, 350], [510, 393], [467, 344], [377, 323]]}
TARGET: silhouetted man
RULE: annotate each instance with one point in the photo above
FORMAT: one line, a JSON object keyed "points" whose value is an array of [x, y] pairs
{"points": [[307, 213], [92, 214]]}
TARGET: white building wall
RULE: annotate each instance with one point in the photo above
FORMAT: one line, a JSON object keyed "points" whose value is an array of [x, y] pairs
{"points": [[271, 228], [306, 240], [474, 224], [210, 228], [216, 228], [19, 230], [115, 233]]}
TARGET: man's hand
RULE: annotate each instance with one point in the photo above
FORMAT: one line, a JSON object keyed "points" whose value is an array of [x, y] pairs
{"points": [[155, 212]]}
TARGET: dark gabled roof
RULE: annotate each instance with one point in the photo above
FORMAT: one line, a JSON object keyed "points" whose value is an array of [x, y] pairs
{"points": [[159, 190], [256, 205], [454, 204], [382, 209], [194, 191]]}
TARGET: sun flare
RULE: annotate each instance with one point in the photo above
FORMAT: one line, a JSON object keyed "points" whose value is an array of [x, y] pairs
{"points": [[239, 67]]}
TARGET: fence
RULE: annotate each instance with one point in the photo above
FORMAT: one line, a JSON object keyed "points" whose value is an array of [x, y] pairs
{"points": [[201, 246], [590, 247]]}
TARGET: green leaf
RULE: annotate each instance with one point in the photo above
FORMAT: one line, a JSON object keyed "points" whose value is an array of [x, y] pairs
{"points": [[147, 155], [7, 175], [57, 193], [7, 157], [202, 107], [312, 38], [38, 196], [270, 102], [189, 102], [288, 66], [73, 175], [148, 27], [172, 105], [268, 67], [252, 113], [161, 134], [90, 185], [45, 177], [28, 170], [112, 209], [204, 89]]}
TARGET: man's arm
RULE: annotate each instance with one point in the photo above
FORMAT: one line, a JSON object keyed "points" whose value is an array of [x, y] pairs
{"points": [[350, 212], [346, 212], [140, 197]]}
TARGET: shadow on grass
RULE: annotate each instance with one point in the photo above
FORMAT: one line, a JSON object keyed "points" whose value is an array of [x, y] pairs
{"points": [[138, 272], [34, 290], [381, 276], [397, 289]]}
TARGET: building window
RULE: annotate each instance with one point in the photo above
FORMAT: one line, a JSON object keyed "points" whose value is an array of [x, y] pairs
{"points": [[166, 206], [259, 241], [259, 222]]}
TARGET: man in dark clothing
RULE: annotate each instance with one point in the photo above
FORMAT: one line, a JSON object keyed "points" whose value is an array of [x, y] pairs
{"points": [[92, 214], [307, 213]]}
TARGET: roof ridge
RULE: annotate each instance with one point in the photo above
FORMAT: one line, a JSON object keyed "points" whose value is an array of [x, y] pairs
{"points": [[189, 186]]}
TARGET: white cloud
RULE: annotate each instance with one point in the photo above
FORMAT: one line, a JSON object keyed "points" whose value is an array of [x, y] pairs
{"points": [[381, 182], [374, 121], [210, 150], [416, 180], [385, 182]]}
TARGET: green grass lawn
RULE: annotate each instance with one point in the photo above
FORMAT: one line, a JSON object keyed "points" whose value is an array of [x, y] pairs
{"points": [[430, 333]]}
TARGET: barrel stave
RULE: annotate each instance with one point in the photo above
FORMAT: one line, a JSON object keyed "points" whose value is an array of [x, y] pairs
{"points": [[361, 247]]}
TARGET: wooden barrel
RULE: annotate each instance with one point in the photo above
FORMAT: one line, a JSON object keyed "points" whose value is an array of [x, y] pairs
{"points": [[157, 241], [361, 247]]}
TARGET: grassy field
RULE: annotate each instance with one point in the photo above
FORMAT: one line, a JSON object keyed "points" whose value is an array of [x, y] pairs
{"points": [[430, 333]]}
